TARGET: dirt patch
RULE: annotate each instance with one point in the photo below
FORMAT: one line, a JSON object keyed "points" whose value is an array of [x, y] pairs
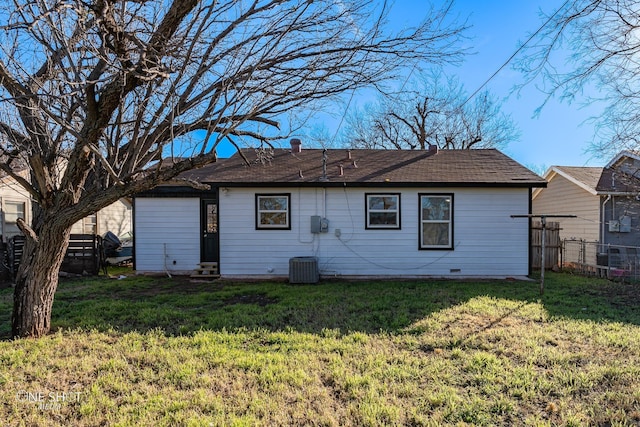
{"points": [[627, 291], [620, 293], [257, 299], [177, 285]]}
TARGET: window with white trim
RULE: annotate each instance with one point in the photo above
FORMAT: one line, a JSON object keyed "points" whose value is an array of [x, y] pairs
{"points": [[272, 211], [436, 221], [11, 212], [383, 211]]}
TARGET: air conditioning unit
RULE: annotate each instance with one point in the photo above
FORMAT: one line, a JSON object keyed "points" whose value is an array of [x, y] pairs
{"points": [[303, 270]]}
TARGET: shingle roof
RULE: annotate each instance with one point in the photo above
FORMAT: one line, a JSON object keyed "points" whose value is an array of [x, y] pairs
{"points": [[587, 175], [486, 167]]}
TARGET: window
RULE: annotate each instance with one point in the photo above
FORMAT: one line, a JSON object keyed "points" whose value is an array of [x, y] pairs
{"points": [[90, 224], [436, 221], [13, 211], [383, 211], [272, 212], [212, 218]]}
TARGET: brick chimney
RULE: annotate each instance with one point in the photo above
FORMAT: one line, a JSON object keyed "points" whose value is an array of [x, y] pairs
{"points": [[433, 149], [296, 145]]}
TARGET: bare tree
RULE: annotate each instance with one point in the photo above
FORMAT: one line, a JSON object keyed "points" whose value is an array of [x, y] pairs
{"points": [[588, 51], [436, 111], [318, 135], [94, 92]]}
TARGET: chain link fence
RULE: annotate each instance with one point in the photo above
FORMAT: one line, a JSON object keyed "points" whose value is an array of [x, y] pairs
{"points": [[602, 260]]}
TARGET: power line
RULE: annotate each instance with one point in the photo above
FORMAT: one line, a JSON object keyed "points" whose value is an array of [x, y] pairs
{"points": [[522, 46]]}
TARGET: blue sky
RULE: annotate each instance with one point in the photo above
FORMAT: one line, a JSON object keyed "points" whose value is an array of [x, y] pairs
{"points": [[559, 134]]}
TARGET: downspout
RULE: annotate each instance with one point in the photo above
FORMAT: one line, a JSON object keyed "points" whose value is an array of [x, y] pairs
{"points": [[603, 223], [133, 231]]}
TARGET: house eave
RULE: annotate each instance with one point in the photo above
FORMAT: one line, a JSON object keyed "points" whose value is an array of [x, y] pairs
{"points": [[174, 191], [337, 184], [621, 155], [557, 171], [617, 193]]}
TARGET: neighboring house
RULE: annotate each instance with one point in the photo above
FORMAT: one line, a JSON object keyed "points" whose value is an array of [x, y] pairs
{"points": [[571, 191], [619, 190], [358, 212], [115, 218], [16, 203], [605, 200]]}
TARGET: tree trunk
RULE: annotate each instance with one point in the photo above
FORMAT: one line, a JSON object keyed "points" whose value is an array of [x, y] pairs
{"points": [[37, 280]]}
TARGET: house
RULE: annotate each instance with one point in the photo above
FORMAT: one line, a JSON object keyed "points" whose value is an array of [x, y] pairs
{"points": [[606, 202], [619, 190], [604, 199], [115, 218], [356, 212], [15, 202], [571, 191]]}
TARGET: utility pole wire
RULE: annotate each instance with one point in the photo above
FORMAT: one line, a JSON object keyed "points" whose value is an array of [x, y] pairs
{"points": [[522, 46]]}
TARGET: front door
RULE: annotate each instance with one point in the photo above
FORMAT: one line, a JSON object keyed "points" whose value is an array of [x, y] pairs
{"points": [[210, 241]]}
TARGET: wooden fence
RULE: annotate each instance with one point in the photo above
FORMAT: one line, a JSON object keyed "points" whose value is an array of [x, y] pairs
{"points": [[552, 245], [4, 265], [16, 245], [84, 254]]}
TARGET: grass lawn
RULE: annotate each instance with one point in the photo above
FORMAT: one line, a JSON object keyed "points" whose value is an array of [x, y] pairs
{"points": [[166, 352]]}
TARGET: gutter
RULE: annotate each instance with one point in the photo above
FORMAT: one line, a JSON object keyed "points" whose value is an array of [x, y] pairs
{"points": [[619, 193]]}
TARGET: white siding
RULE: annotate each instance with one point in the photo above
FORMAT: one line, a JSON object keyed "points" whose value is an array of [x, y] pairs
{"points": [[487, 241], [563, 197], [11, 191], [115, 218], [167, 234]]}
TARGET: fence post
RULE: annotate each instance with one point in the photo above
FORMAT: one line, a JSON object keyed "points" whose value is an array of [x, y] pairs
{"points": [[543, 220], [582, 255]]}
